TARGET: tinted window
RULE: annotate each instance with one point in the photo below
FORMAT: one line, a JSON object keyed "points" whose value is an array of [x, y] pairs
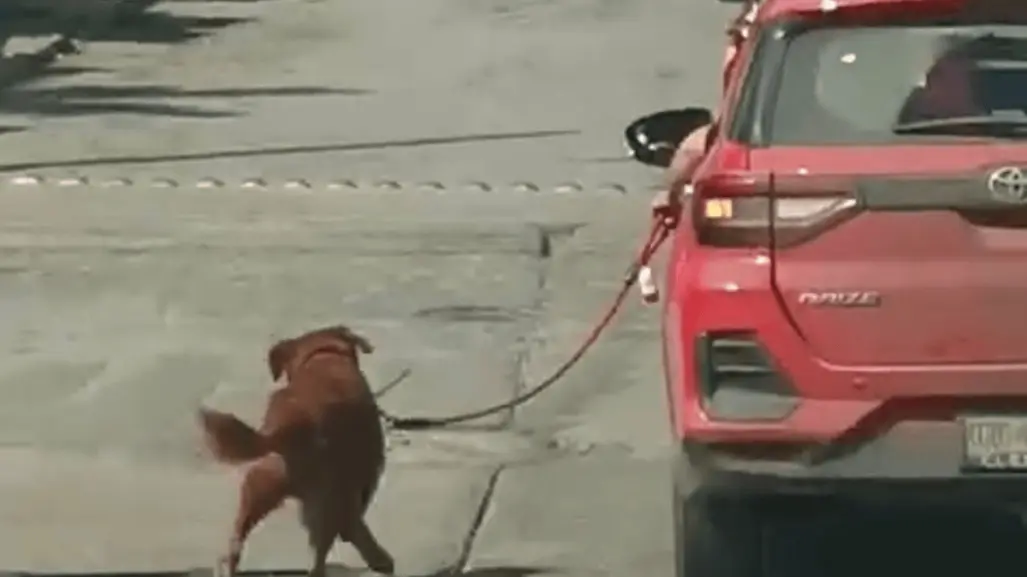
{"points": [[854, 85]]}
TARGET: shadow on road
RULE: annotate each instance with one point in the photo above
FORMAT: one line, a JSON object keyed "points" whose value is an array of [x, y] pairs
{"points": [[79, 100], [105, 21], [283, 150], [507, 571], [162, 28], [129, 21], [334, 570]]}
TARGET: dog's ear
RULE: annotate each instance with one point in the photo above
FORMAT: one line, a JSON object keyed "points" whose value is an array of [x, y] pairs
{"points": [[357, 341], [278, 357]]}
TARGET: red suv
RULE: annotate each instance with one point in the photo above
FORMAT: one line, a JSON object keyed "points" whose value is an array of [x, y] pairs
{"points": [[846, 308]]}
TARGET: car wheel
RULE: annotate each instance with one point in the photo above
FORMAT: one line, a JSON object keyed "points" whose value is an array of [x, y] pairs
{"points": [[717, 537]]}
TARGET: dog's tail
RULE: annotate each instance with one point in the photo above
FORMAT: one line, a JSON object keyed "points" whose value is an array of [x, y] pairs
{"points": [[230, 440]]}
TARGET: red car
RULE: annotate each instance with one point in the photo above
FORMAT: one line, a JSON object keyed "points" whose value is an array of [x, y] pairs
{"points": [[846, 308]]}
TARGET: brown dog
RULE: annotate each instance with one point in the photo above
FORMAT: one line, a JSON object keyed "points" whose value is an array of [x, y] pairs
{"points": [[321, 442]]}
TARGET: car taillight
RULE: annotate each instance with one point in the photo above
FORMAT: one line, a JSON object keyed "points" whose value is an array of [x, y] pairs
{"points": [[745, 210]]}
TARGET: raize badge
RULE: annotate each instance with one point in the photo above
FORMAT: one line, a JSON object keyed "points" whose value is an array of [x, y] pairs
{"points": [[840, 298]]}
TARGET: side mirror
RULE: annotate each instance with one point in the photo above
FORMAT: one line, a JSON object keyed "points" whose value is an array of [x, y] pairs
{"points": [[653, 139]]}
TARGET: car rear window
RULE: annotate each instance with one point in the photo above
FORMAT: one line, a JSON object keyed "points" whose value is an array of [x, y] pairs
{"points": [[850, 86]]}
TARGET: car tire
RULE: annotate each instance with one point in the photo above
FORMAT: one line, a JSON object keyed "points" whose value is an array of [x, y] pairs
{"points": [[716, 536]]}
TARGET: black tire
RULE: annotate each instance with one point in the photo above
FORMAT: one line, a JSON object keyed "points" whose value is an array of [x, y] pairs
{"points": [[717, 536]]}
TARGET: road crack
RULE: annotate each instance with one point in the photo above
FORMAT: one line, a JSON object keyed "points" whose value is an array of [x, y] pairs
{"points": [[477, 522], [531, 336]]}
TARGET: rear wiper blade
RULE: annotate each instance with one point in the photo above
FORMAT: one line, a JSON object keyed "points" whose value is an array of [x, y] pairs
{"points": [[990, 124]]}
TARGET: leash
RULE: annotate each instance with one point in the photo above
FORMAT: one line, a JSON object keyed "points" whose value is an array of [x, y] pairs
{"points": [[638, 272], [402, 376]]}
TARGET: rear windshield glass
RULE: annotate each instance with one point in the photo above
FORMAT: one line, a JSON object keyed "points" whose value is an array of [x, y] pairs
{"points": [[856, 85]]}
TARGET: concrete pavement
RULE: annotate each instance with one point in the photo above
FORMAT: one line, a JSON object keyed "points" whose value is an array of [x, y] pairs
{"points": [[446, 177], [125, 308]]}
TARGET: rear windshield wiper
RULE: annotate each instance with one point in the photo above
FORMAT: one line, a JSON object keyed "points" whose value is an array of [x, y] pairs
{"points": [[988, 125]]}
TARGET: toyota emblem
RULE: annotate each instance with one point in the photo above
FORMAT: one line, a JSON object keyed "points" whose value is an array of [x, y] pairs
{"points": [[1008, 184]]}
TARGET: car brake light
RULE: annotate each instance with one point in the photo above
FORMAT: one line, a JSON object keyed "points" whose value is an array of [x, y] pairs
{"points": [[742, 210]]}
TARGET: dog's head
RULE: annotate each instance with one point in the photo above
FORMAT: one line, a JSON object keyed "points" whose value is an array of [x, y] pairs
{"points": [[284, 354]]}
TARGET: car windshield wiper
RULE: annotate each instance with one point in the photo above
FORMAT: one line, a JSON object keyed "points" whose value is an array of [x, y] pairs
{"points": [[989, 125]]}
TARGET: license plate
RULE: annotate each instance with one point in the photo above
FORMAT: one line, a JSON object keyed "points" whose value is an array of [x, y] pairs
{"points": [[995, 443]]}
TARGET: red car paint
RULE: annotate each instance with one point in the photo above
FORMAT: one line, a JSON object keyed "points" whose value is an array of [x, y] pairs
{"points": [[951, 328], [863, 9]]}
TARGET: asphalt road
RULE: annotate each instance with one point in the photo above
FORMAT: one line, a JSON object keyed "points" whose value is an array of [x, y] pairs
{"points": [[446, 177]]}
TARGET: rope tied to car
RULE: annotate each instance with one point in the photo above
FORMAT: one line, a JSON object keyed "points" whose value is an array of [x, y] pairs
{"points": [[638, 272]]}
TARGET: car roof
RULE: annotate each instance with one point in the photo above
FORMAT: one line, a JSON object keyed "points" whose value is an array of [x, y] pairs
{"points": [[773, 9]]}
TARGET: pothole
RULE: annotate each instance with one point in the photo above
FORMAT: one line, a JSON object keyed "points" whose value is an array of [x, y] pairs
{"points": [[468, 314]]}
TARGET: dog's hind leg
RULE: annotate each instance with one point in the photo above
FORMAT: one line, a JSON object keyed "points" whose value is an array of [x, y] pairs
{"points": [[371, 550], [321, 542], [320, 526], [264, 488]]}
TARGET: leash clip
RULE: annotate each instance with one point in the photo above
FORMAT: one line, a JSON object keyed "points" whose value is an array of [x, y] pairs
{"points": [[647, 285]]}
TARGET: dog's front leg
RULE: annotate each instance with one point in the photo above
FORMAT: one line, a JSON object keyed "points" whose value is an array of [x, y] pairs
{"points": [[264, 488]]}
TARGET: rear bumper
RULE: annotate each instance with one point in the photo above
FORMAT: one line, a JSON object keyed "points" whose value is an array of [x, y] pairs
{"points": [[913, 460]]}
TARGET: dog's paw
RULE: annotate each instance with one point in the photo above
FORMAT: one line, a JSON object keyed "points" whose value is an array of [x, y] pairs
{"points": [[383, 565], [227, 566], [202, 572]]}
